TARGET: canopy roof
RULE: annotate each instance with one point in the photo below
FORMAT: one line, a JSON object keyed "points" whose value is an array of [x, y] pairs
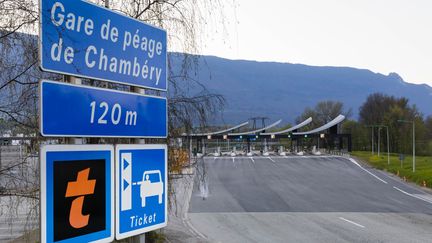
{"points": [[302, 124], [255, 131], [221, 131], [333, 122]]}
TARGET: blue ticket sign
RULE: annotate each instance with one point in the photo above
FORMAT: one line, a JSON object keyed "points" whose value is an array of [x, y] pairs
{"points": [[81, 111], [77, 193], [83, 39], [141, 189]]}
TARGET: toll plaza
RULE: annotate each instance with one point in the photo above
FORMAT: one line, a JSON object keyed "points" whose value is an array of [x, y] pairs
{"points": [[241, 140]]}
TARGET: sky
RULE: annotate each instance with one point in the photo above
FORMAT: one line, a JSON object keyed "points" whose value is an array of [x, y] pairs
{"points": [[381, 35]]}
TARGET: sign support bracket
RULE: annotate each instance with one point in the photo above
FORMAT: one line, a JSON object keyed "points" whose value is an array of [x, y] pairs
{"points": [[74, 80], [138, 238]]}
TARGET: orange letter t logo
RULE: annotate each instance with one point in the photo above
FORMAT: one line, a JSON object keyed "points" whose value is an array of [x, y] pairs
{"points": [[81, 187]]}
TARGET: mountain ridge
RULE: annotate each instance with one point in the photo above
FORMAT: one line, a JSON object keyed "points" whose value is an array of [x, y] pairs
{"points": [[284, 90]]}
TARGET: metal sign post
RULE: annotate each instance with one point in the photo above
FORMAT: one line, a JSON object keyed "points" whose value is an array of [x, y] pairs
{"points": [[139, 238]]}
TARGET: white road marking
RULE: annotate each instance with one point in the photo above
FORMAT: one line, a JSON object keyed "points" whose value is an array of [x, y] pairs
{"points": [[253, 160], [271, 159], [352, 222], [424, 196], [370, 173], [233, 162], [412, 195], [398, 180]]}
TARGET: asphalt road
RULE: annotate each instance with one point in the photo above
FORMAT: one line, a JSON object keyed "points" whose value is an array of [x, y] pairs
{"points": [[305, 199]]}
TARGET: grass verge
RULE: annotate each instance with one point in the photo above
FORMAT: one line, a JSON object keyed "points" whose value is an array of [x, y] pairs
{"points": [[404, 169]]}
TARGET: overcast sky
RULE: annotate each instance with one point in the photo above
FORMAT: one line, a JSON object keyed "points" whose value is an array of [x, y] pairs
{"points": [[381, 35]]}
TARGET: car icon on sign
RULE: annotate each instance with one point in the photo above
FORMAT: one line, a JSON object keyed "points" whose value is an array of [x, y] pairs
{"points": [[153, 187]]}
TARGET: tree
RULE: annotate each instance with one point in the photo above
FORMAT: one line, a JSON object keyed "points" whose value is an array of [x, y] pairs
{"points": [[381, 109], [322, 113], [376, 105], [359, 134], [428, 135], [185, 22], [428, 125]]}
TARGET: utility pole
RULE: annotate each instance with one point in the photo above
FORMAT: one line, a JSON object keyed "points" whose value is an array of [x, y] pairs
{"points": [[388, 143], [379, 140], [414, 146], [379, 133], [372, 140], [413, 135], [388, 146]]}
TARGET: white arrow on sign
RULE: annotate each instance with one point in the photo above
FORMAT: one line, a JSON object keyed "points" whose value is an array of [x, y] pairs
{"points": [[126, 181]]}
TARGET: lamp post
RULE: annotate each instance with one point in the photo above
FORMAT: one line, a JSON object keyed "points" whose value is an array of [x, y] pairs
{"points": [[388, 144], [388, 140], [372, 137], [372, 140], [379, 133], [413, 125]]}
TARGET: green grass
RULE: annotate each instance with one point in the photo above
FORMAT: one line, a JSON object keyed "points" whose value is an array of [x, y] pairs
{"points": [[423, 166]]}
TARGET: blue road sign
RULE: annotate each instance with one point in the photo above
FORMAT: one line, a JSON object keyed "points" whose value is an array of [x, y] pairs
{"points": [[77, 193], [81, 111], [141, 189], [83, 39]]}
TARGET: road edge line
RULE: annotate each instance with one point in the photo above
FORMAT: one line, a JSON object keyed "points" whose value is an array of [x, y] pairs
{"points": [[352, 222], [412, 195], [185, 218], [370, 173]]}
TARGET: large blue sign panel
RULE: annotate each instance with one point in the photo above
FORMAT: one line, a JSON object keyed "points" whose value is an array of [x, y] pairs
{"points": [[141, 189], [81, 111], [77, 193], [82, 39]]}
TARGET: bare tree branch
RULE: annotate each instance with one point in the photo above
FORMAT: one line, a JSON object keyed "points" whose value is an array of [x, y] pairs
{"points": [[14, 79]]}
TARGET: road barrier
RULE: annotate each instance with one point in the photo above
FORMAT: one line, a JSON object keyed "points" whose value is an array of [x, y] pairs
{"points": [[340, 153]]}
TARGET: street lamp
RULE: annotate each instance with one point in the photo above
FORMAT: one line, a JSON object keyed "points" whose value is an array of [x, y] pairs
{"points": [[379, 134], [413, 124], [372, 137], [388, 142]]}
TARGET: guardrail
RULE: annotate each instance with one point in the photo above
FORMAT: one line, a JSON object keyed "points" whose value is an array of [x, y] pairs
{"points": [[340, 153]]}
